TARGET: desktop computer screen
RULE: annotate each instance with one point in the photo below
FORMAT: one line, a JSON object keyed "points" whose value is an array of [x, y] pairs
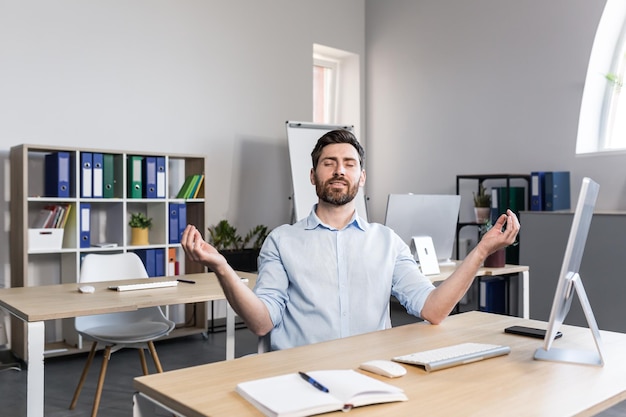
{"points": [[433, 215], [570, 284]]}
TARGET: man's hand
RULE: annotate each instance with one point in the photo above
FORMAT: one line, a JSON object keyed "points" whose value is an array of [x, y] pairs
{"points": [[502, 234], [200, 251]]}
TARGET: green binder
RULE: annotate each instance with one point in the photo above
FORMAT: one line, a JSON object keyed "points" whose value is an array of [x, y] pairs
{"points": [[108, 176], [135, 186]]}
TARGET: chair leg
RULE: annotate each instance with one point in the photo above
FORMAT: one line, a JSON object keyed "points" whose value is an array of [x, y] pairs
{"points": [[83, 376], [142, 358], [105, 361], [155, 357]]}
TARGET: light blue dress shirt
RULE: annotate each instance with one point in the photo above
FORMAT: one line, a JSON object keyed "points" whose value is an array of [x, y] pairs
{"points": [[320, 283]]}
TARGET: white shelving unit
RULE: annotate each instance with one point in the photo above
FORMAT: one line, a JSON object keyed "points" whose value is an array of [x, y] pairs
{"points": [[108, 223]]}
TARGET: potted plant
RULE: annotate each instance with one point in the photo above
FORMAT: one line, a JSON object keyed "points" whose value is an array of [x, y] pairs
{"points": [[482, 205], [139, 228], [241, 252]]}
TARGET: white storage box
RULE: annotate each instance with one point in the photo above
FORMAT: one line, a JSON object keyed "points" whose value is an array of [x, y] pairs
{"points": [[45, 239]]}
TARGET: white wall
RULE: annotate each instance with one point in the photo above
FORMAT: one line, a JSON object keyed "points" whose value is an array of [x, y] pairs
{"points": [[453, 87], [481, 86], [211, 77]]}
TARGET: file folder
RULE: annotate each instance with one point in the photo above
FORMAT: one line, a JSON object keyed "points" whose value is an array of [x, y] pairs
{"points": [[186, 187], [171, 261], [159, 262], [197, 186], [557, 190], [149, 260], [108, 176], [149, 177], [98, 178], [85, 225], [492, 295], [135, 176], [86, 171], [160, 181], [173, 226], [537, 192], [57, 168], [495, 211], [182, 220]]}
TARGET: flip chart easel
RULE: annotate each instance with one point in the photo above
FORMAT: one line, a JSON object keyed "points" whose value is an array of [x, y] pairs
{"points": [[301, 138]]}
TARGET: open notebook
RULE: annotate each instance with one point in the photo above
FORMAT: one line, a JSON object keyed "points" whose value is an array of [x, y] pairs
{"points": [[290, 396]]}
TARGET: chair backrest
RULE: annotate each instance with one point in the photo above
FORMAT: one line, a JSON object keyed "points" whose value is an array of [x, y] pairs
{"points": [[96, 267]]}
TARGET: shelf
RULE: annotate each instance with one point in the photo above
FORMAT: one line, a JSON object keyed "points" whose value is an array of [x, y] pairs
{"points": [[108, 222], [506, 182]]}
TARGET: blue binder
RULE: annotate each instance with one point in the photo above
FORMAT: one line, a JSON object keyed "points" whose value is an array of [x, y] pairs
{"points": [[557, 190], [173, 225], [57, 181], [98, 175], [86, 174], [160, 180], [537, 190], [85, 225], [159, 262], [182, 220], [150, 177], [492, 295], [149, 260]]}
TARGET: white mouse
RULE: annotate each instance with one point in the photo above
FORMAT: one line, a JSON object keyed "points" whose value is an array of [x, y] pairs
{"points": [[385, 368], [87, 289]]}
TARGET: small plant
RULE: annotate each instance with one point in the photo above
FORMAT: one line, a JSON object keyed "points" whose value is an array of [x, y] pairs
{"points": [[224, 236], [140, 220], [482, 199]]}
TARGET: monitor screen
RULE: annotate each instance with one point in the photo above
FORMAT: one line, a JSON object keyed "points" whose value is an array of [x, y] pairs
{"points": [[433, 215], [570, 283]]}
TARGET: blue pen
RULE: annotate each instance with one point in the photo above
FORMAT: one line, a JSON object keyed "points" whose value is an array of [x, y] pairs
{"points": [[313, 382]]}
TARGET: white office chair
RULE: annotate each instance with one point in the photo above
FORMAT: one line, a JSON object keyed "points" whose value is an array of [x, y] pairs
{"points": [[135, 329]]}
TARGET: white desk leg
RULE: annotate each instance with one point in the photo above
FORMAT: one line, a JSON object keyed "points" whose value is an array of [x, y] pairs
{"points": [[230, 332], [34, 378], [526, 295], [144, 406]]}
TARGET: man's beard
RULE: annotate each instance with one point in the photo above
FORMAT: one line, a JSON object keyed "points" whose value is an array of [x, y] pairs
{"points": [[326, 193]]}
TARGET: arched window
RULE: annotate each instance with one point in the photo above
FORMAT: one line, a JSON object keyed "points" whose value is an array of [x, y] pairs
{"points": [[602, 122]]}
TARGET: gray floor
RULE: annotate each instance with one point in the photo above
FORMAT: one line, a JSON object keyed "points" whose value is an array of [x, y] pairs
{"points": [[63, 373]]}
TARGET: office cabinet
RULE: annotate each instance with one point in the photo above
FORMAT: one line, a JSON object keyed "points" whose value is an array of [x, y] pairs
{"points": [[98, 188], [545, 238]]}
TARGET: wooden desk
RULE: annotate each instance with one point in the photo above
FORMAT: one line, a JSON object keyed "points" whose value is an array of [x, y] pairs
{"points": [[34, 305], [511, 385], [447, 270]]}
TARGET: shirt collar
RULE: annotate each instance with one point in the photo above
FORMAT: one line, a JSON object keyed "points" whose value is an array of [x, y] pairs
{"points": [[313, 221]]}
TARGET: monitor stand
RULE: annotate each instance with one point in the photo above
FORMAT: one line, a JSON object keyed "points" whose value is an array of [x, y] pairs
{"points": [[575, 355], [447, 262]]}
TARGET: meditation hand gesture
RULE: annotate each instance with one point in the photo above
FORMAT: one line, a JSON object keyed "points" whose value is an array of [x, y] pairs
{"points": [[502, 234], [200, 251]]}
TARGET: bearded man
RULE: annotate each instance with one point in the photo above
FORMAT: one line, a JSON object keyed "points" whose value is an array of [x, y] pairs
{"points": [[332, 274]]}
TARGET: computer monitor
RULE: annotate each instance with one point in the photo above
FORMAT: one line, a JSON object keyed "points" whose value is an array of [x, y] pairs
{"points": [[570, 282], [433, 215]]}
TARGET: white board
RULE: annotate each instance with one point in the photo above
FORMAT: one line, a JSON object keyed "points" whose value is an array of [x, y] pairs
{"points": [[301, 138]]}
